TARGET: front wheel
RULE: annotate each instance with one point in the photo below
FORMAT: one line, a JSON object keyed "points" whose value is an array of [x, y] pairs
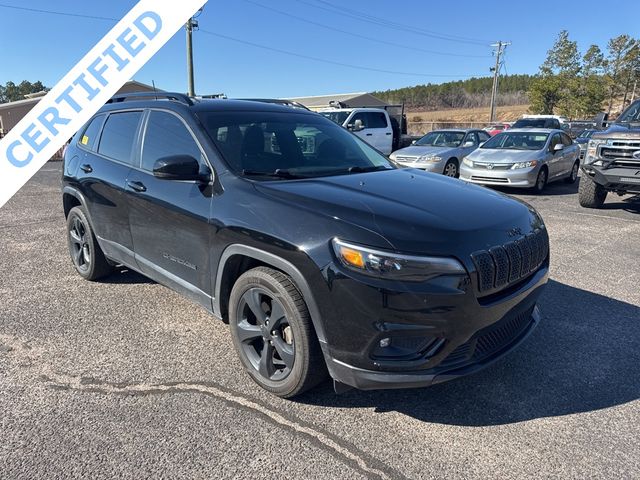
{"points": [[451, 169], [590, 194], [541, 181], [273, 334]]}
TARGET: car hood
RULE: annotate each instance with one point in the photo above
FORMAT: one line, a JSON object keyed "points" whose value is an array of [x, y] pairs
{"points": [[414, 211], [418, 150], [619, 130], [502, 156]]}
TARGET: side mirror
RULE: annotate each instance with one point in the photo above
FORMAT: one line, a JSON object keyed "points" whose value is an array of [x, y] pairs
{"points": [[481, 143], [356, 126], [469, 144], [557, 147], [413, 142], [177, 167]]}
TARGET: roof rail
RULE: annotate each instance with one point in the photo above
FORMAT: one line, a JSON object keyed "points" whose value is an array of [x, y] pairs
{"points": [[176, 97]]}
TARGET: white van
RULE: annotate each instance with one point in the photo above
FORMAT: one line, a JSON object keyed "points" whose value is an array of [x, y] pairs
{"points": [[373, 125]]}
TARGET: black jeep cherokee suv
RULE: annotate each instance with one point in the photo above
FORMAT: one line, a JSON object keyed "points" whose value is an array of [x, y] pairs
{"points": [[318, 251]]}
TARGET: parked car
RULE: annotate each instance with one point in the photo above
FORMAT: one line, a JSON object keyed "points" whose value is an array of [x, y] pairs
{"points": [[612, 160], [321, 254], [541, 121], [373, 125], [497, 128], [582, 140], [441, 151], [528, 158]]}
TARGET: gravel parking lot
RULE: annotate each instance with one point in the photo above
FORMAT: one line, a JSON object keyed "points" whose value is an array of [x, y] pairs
{"points": [[125, 378]]}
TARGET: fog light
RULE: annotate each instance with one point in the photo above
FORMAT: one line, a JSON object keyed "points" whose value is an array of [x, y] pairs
{"points": [[385, 342]]}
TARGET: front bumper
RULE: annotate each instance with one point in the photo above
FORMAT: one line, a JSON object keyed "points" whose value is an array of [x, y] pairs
{"points": [[522, 177], [472, 331], [374, 380], [616, 179], [426, 166]]}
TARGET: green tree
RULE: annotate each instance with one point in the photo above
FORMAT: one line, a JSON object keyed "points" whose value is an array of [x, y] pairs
{"points": [[10, 92], [617, 64], [592, 91]]}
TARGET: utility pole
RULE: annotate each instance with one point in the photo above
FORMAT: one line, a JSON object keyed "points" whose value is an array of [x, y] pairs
{"points": [[500, 48], [191, 23]]}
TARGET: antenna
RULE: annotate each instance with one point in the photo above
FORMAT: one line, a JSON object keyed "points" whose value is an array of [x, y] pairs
{"points": [[154, 88]]}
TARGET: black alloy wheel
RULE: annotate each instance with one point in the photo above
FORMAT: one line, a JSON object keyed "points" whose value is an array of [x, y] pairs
{"points": [[265, 334], [79, 246], [86, 255], [273, 333]]}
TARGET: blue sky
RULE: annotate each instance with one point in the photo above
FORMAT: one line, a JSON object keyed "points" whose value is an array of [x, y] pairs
{"points": [[38, 46]]}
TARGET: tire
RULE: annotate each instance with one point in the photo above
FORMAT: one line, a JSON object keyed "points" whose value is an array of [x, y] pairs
{"points": [[281, 354], [541, 181], [590, 194], [86, 255], [573, 176], [451, 168]]}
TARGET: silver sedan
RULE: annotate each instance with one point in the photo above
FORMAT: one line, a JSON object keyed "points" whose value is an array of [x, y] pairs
{"points": [[528, 158], [440, 151]]}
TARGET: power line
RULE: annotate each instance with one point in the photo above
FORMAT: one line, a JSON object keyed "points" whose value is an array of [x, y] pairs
{"points": [[357, 35], [66, 14], [332, 62], [364, 17]]}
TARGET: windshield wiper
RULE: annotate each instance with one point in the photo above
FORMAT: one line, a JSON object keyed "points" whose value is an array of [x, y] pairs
{"points": [[371, 168], [277, 173]]}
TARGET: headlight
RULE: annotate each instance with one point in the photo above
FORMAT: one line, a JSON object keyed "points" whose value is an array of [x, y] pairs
{"points": [[529, 164], [393, 266], [592, 149], [467, 162], [429, 159]]}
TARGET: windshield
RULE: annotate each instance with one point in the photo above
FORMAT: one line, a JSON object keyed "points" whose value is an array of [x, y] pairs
{"points": [[586, 134], [441, 139], [288, 145], [631, 114], [337, 117], [517, 141]]}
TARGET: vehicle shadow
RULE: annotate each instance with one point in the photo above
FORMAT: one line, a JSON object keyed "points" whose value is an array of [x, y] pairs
{"points": [[553, 189], [628, 204], [583, 356], [123, 275]]}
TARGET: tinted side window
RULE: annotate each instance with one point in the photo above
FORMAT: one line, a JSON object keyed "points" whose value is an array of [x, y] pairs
{"points": [[484, 136], [554, 141], [471, 137], [89, 137], [360, 116], [376, 120], [118, 136], [166, 135], [566, 139]]}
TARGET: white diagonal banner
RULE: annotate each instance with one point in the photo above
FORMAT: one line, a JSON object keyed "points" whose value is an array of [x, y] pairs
{"points": [[87, 87]]}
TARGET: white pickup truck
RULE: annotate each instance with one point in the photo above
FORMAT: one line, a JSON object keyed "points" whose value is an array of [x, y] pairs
{"points": [[373, 125]]}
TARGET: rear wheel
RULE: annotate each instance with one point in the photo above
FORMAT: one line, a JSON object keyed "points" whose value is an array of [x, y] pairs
{"points": [[573, 176], [451, 169], [86, 254], [541, 181], [590, 194], [273, 334]]}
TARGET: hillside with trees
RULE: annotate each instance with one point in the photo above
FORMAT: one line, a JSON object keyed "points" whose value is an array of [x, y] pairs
{"points": [[10, 92], [470, 93]]}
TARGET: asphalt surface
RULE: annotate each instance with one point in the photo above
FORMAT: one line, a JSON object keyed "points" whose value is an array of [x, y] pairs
{"points": [[125, 378]]}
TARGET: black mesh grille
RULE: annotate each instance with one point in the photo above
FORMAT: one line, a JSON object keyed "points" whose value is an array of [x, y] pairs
{"points": [[503, 265], [489, 341]]}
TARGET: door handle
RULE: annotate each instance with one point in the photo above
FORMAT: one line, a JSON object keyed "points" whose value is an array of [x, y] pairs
{"points": [[136, 186], [369, 134], [388, 133], [86, 168]]}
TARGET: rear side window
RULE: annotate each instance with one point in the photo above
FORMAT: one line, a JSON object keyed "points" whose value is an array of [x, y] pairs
{"points": [[89, 138], [118, 136], [376, 120], [166, 135], [483, 136]]}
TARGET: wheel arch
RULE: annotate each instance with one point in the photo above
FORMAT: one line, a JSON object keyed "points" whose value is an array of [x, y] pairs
{"points": [[237, 259]]}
